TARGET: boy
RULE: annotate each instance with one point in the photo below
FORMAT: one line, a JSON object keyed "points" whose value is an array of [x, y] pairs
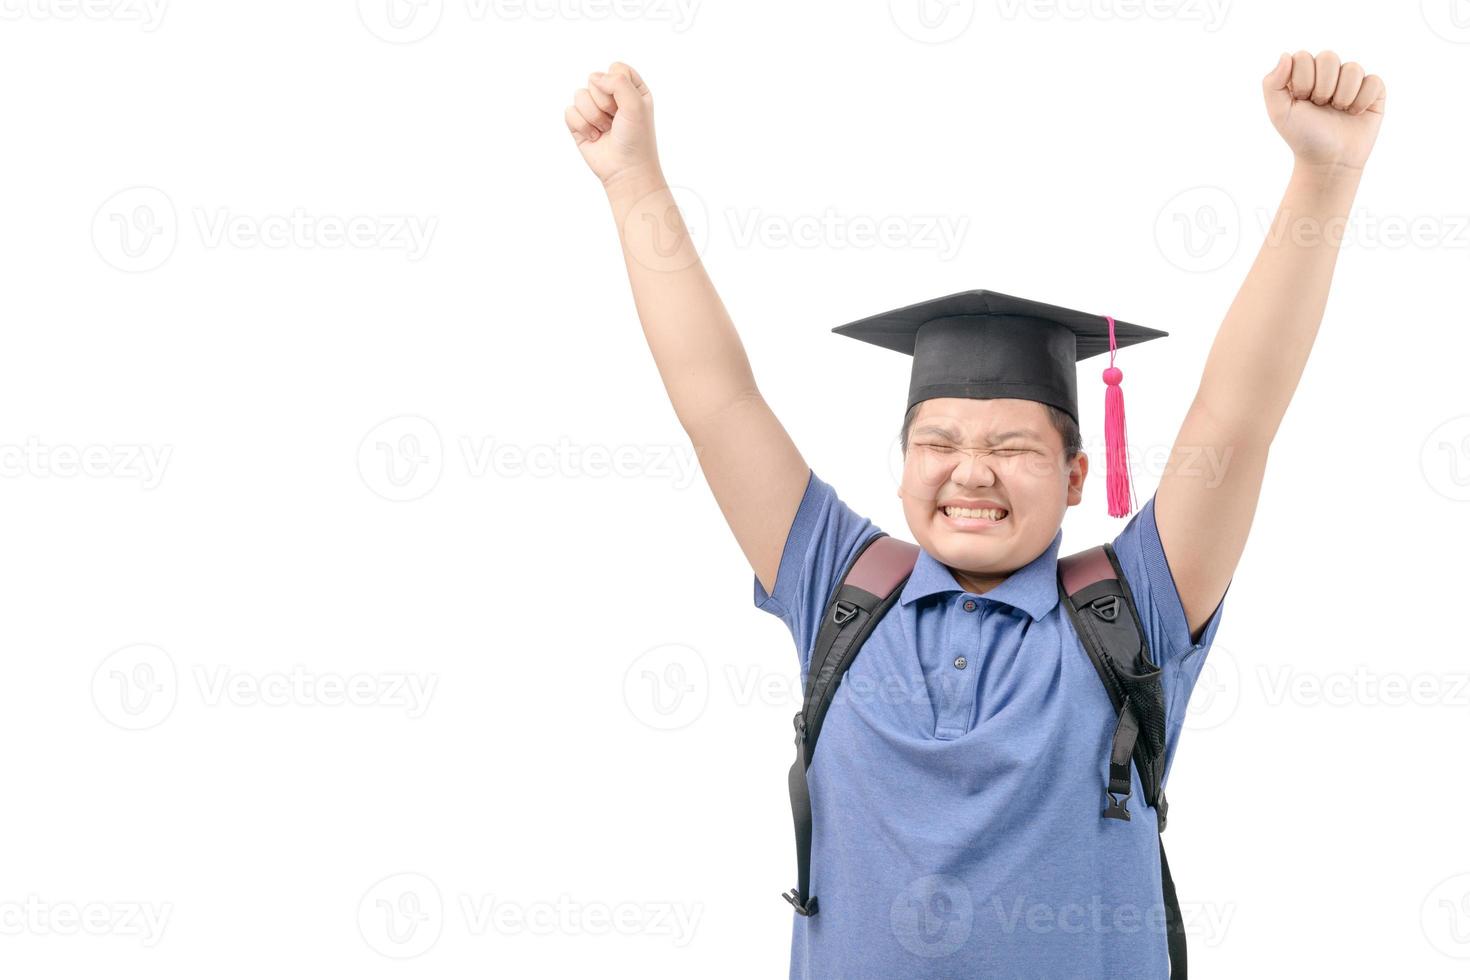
{"points": [[957, 829]]}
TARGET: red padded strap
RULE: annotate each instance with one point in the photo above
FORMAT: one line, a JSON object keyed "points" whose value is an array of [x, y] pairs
{"points": [[1084, 568], [883, 564]]}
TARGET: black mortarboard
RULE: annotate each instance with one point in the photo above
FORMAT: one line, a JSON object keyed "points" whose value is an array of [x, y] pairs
{"points": [[983, 344]]}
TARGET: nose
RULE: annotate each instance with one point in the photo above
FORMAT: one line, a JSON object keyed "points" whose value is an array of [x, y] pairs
{"points": [[974, 471]]}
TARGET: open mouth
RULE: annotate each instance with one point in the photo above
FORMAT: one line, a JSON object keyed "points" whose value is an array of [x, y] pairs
{"points": [[975, 517]]}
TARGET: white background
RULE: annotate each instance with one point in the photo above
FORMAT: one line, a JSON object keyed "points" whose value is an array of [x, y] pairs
{"points": [[384, 463]]}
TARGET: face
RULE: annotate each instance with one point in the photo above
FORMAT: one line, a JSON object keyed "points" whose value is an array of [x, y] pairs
{"points": [[983, 453]]}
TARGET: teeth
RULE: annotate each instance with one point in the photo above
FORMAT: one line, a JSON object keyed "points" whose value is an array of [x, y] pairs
{"points": [[989, 515]]}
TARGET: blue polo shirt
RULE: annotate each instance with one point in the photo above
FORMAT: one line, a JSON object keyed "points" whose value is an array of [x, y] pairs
{"points": [[957, 787]]}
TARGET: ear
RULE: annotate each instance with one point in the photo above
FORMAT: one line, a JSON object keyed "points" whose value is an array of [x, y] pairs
{"points": [[1075, 479]]}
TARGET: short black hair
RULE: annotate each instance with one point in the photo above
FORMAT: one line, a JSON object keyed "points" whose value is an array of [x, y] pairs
{"points": [[1065, 425]]}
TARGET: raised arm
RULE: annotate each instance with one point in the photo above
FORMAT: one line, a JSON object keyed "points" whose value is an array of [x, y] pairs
{"points": [[752, 466], [1329, 114]]}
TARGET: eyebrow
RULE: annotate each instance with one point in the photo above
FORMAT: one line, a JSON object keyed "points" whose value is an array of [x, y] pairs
{"points": [[953, 437]]}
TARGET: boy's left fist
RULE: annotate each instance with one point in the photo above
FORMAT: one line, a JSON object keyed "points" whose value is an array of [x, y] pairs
{"points": [[1328, 112]]}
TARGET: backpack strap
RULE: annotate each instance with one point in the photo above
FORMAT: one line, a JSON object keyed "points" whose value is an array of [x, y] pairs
{"points": [[869, 586], [1100, 605]]}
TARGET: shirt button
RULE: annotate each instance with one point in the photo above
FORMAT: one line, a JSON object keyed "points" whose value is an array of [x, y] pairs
{"points": [[969, 605], [960, 663]]}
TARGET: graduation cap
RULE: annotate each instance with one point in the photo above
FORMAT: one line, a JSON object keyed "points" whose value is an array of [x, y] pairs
{"points": [[984, 344]]}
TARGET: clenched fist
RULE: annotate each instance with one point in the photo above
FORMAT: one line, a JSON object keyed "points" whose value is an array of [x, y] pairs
{"points": [[1328, 112], [611, 121]]}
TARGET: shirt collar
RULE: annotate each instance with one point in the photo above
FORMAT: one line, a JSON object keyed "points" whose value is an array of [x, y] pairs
{"points": [[1032, 588]]}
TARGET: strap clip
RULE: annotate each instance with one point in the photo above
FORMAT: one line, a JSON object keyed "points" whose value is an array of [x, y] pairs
{"points": [[1117, 808], [842, 611], [810, 908]]}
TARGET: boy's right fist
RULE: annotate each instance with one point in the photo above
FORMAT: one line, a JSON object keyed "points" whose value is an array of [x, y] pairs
{"points": [[611, 121]]}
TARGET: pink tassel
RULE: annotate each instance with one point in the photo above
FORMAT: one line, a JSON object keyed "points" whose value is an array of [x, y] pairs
{"points": [[1115, 436]]}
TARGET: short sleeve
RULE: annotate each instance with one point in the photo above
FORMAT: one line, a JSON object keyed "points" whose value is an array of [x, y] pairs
{"points": [[823, 538], [1141, 554]]}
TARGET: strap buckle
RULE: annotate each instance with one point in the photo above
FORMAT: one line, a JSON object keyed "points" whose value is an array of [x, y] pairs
{"points": [[798, 722], [810, 908], [1117, 808], [843, 611]]}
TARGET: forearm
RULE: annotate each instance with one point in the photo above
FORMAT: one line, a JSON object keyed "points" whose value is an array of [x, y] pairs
{"points": [[1262, 346], [694, 343]]}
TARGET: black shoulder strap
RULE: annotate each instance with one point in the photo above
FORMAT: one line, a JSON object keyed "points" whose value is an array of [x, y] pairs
{"points": [[869, 586], [1100, 604]]}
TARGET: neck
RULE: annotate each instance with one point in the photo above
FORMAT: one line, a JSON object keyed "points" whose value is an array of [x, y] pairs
{"points": [[978, 584]]}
